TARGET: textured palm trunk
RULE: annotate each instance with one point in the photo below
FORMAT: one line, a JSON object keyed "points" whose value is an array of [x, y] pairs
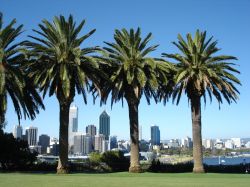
{"points": [[63, 166], [134, 137], [197, 138]]}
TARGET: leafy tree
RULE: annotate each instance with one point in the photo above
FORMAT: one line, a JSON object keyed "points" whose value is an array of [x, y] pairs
{"points": [[132, 74], [13, 82], [59, 66], [15, 153], [115, 160], [201, 73]]}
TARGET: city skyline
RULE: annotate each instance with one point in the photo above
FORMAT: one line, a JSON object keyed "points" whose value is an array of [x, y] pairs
{"points": [[227, 22]]}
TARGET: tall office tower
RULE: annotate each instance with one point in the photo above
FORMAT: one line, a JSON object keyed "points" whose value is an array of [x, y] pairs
{"points": [[140, 133], [82, 144], [91, 130], [31, 134], [87, 144], [44, 141], [18, 131], [73, 118], [78, 144], [100, 143], [104, 124], [73, 125], [155, 135]]}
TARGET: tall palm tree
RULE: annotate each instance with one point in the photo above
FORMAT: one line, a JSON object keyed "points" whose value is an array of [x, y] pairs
{"points": [[13, 81], [132, 74], [59, 66], [200, 73]]}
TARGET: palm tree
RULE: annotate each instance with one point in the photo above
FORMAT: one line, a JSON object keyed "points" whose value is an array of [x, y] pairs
{"points": [[59, 66], [13, 81], [132, 74], [200, 73]]}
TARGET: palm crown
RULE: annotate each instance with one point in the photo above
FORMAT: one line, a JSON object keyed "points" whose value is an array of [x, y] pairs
{"points": [[200, 72], [13, 81], [60, 65], [130, 69]]}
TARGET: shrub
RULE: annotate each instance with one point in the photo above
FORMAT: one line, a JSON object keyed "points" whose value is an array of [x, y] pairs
{"points": [[158, 167], [115, 160]]}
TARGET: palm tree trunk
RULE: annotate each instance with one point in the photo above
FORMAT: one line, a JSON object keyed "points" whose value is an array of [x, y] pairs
{"points": [[197, 138], [63, 166], [134, 137]]}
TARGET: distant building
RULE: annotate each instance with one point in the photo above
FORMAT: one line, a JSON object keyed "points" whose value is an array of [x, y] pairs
{"points": [[143, 146], [104, 124], [219, 144], [31, 134], [247, 145], [100, 143], [174, 143], [73, 125], [237, 142], [54, 147], [155, 135], [18, 131], [113, 142], [91, 130], [229, 144], [124, 145], [35, 148], [207, 143], [44, 142], [82, 144], [140, 133]]}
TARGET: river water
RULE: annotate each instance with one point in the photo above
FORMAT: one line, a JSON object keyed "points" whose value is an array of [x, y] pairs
{"points": [[226, 160]]}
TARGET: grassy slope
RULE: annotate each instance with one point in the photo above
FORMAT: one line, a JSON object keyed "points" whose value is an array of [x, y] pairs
{"points": [[125, 180]]}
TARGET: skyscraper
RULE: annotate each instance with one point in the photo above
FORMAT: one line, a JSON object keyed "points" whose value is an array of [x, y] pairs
{"points": [[155, 135], [91, 130], [73, 125], [82, 144], [18, 131], [44, 141], [140, 133], [31, 134], [100, 143], [104, 124], [73, 118]]}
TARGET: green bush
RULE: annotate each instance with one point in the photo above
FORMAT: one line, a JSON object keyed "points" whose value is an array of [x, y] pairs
{"points": [[115, 160], [158, 167], [14, 153]]}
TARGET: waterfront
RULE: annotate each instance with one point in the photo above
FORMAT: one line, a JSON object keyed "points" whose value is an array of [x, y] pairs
{"points": [[226, 160]]}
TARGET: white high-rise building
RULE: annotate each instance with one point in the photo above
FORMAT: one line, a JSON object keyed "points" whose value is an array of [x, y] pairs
{"points": [[31, 134], [207, 143], [18, 131], [186, 142], [140, 133], [229, 144], [237, 142], [73, 125]]}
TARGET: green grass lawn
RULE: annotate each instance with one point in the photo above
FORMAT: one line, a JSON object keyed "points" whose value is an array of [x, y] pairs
{"points": [[124, 180]]}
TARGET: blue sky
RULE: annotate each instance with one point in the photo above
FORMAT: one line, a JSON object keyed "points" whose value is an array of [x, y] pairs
{"points": [[227, 21]]}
